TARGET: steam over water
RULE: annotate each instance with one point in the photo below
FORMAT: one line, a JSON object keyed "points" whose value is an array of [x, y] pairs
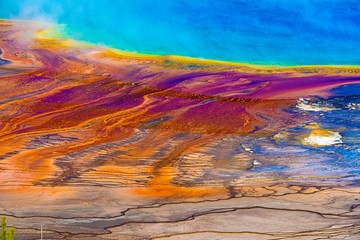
{"points": [[297, 32]]}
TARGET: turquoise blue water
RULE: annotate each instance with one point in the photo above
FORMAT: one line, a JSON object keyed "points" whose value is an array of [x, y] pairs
{"points": [[280, 32]]}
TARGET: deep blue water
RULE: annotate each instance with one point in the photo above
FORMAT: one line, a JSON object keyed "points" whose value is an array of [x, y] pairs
{"points": [[283, 32]]}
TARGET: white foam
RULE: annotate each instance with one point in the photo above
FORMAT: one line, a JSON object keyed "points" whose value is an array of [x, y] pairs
{"points": [[329, 139], [353, 106], [247, 149], [305, 105], [256, 163]]}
